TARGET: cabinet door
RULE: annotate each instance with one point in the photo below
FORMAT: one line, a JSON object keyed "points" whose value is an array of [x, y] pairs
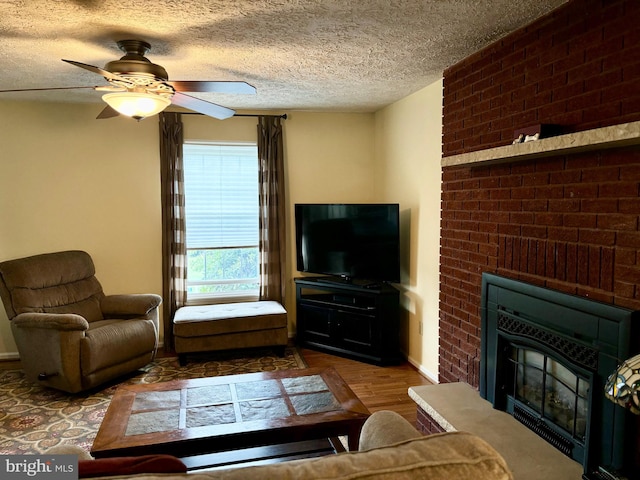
{"points": [[315, 324], [357, 332]]}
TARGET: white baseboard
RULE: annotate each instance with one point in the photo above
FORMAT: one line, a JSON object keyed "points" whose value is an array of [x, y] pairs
{"points": [[429, 375], [9, 356]]}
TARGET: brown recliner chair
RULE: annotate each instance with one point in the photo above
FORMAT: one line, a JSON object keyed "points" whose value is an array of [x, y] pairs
{"points": [[70, 335]]}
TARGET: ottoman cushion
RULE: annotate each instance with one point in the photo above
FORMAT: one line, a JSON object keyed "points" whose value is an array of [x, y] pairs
{"points": [[197, 321]]}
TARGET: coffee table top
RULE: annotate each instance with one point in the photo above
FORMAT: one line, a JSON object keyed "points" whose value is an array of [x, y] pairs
{"points": [[186, 417]]}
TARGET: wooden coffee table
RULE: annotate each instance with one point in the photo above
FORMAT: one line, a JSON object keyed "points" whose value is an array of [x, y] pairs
{"points": [[195, 418]]}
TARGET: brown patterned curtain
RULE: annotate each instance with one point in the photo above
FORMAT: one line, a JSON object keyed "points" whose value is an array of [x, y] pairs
{"points": [[174, 248], [272, 209]]}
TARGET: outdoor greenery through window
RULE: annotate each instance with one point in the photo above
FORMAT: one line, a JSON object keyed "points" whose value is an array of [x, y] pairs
{"points": [[221, 210]]}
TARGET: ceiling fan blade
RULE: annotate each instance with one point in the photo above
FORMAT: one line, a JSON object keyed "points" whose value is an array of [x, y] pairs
{"points": [[97, 70], [201, 106], [212, 87], [108, 112], [43, 89]]}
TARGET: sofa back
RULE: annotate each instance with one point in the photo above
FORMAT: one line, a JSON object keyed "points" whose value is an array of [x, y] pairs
{"points": [[446, 456], [61, 282]]}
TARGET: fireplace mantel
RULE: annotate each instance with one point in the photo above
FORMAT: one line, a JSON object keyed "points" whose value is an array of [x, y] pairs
{"points": [[622, 135]]}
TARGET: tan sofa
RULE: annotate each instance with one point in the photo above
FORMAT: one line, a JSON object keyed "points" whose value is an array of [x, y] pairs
{"points": [[390, 449]]}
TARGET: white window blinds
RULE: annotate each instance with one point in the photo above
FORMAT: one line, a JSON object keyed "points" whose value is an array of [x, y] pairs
{"points": [[221, 190]]}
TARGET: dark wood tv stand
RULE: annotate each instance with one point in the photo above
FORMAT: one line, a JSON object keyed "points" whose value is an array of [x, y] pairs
{"points": [[354, 320]]}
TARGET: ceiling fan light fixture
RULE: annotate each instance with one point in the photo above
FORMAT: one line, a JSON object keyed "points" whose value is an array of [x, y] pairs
{"points": [[136, 104]]}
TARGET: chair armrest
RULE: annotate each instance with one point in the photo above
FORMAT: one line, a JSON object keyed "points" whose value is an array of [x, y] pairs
{"points": [[52, 321], [135, 304], [384, 428]]}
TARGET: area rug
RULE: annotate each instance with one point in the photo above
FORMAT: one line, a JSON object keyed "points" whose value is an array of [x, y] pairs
{"points": [[34, 419]]}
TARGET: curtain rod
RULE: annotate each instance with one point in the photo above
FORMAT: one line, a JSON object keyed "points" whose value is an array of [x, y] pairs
{"points": [[283, 116]]}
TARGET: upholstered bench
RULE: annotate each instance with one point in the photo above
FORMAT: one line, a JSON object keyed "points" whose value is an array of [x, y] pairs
{"points": [[228, 326]]}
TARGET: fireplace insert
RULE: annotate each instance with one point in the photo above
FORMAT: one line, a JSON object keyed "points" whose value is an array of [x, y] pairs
{"points": [[545, 358]]}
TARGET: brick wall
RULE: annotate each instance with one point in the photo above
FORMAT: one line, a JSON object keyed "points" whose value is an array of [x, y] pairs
{"points": [[578, 67], [571, 222], [425, 424]]}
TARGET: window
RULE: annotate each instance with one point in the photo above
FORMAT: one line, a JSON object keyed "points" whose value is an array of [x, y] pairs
{"points": [[221, 210]]}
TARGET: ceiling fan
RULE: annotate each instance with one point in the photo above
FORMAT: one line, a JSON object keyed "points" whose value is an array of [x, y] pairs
{"points": [[139, 88]]}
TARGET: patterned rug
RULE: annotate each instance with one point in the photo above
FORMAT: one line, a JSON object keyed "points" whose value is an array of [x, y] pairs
{"points": [[34, 419]]}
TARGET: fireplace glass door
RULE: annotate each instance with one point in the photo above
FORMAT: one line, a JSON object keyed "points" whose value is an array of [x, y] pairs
{"points": [[545, 390]]}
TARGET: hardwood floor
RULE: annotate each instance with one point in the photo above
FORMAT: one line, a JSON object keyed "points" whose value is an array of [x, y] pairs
{"points": [[10, 365], [379, 388]]}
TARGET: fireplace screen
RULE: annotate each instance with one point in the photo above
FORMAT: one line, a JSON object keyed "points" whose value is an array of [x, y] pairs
{"points": [[551, 391]]}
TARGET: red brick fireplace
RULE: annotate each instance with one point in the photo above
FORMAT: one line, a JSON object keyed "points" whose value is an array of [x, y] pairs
{"points": [[569, 222]]}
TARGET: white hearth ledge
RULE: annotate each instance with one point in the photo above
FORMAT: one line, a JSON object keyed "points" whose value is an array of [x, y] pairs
{"points": [[622, 135]]}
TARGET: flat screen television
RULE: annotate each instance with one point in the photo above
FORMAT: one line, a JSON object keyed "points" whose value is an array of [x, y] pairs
{"points": [[359, 243]]}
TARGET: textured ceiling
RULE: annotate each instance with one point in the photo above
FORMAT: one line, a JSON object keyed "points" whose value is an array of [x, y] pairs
{"points": [[337, 55]]}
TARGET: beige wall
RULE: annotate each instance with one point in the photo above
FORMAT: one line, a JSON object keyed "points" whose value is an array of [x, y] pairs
{"points": [[408, 149], [68, 181], [329, 159]]}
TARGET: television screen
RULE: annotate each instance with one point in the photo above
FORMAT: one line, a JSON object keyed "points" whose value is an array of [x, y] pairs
{"points": [[353, 241]]}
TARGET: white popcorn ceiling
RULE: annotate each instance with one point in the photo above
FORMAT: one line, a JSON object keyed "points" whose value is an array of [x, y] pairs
{"points": [[322, 55]]}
